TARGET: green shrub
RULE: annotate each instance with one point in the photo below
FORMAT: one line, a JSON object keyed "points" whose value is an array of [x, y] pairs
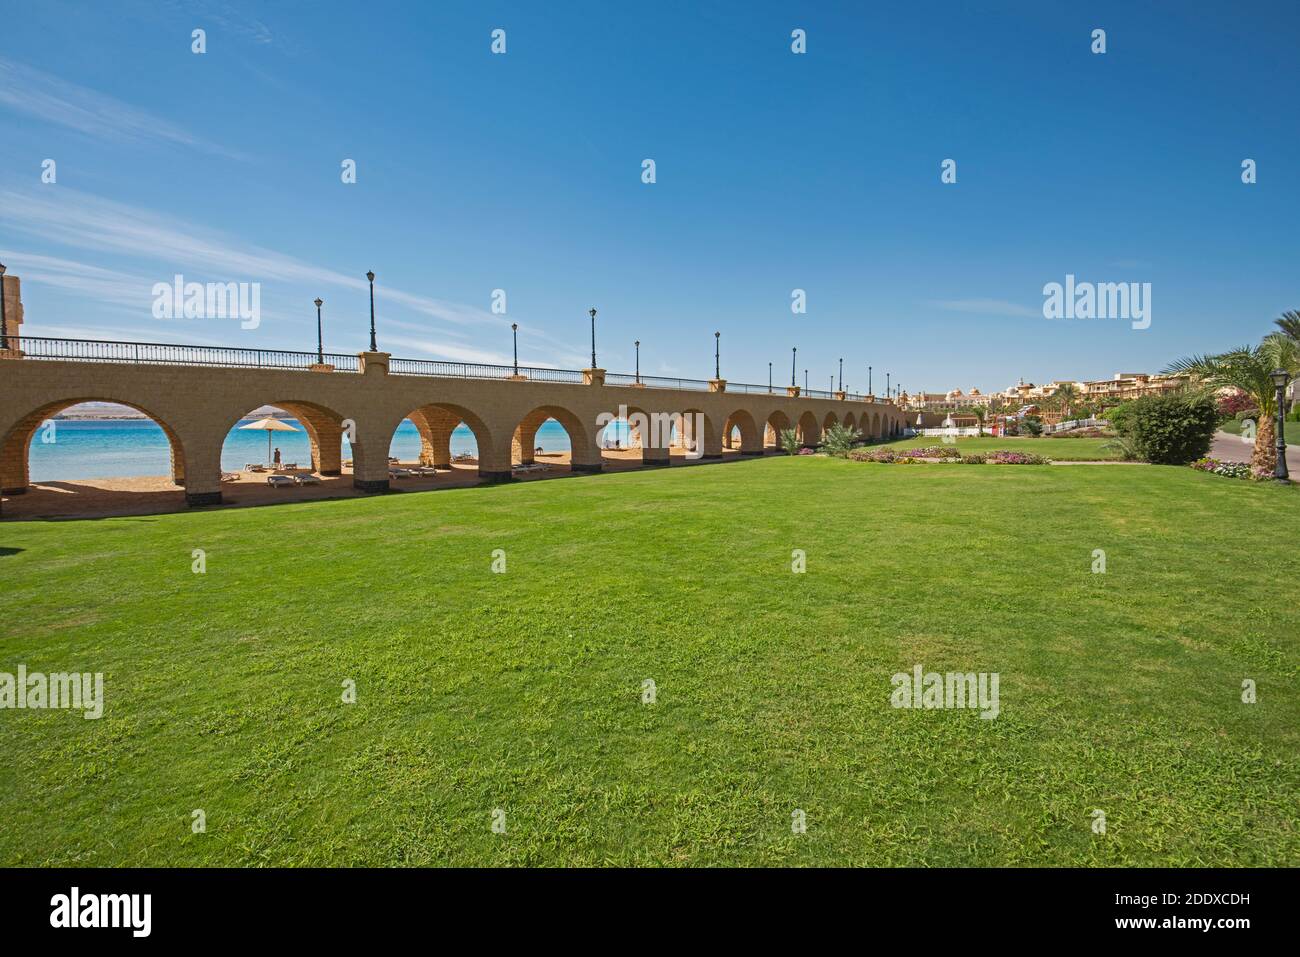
{"points": [[1171, 429], [1119, 416], [838, 439], [1032, 425], [790, 441]]}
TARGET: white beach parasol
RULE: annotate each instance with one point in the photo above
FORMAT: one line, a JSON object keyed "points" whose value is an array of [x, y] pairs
{"points": [[269, 425]]}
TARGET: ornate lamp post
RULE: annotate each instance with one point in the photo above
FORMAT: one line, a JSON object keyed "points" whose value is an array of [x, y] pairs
{"points": [[717, 356], [514, 335], [805, 380], [592, 313], [794, 362], [373, 346], [841, 375], [1280, 379], [868, 380], [769, 377], [832, 383], [638, 361], [887, 392], [320, 343]]}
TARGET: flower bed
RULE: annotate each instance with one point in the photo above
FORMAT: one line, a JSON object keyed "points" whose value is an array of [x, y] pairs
{"points": [[949, 455], [1005, 457], [1236, 470]]}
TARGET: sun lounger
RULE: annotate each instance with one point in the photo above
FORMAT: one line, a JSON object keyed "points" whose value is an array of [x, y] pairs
{"points": [[307, 479], [462, 457], [254, 467], [427, 471], [279, 481], [230, 476], [290, 467], [400, 473]]}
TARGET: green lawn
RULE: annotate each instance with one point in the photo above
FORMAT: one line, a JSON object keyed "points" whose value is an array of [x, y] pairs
{"points": [[1071, 450], [522, 691], [1233, 427]]}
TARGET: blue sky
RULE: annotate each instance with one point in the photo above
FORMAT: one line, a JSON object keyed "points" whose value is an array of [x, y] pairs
{"points": [[775, 171]]}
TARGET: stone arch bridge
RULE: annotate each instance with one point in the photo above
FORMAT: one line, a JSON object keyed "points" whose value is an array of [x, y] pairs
{"points": [[198, 393]]}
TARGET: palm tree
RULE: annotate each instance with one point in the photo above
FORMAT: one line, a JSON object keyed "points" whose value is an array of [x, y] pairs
{"points": [[1250, 369], [1289, 323], [1068, 396]]}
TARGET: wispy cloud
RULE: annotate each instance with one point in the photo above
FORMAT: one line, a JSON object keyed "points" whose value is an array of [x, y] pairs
{"points": [[231, 20], [25, 89], [78, 220], [989, 307]]}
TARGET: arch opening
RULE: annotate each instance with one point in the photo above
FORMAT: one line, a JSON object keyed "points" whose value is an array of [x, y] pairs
{"points": [[776, 423], [741, 434], [96, 438], [551, 437], [808, 431]]}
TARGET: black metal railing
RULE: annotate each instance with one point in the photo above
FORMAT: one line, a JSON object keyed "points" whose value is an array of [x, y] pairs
{"points": [[480, 370], [159, 353], [657, 382]]}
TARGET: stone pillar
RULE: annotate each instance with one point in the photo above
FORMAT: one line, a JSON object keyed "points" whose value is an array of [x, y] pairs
{"points": [[717, 385], [370, 454], [584, 453], [329, 447], [11, 289], [792, 391], [373, 363], [494, 465], [203, 470], [593, 376]]}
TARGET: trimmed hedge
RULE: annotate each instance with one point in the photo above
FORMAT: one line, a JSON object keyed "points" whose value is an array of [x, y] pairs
{"points": [[1171, 429]]}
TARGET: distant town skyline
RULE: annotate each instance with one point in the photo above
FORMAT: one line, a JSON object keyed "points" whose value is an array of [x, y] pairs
{"points": [[494, 188]]}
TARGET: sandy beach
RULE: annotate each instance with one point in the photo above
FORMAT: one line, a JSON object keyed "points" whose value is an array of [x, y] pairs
{"points": [[152, 495]]}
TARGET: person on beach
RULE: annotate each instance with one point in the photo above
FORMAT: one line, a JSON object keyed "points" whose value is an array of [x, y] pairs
{"points": [[277, 457]]}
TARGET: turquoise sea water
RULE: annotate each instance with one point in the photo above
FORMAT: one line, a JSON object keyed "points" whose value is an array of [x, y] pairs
{"points": [[127, 448]]}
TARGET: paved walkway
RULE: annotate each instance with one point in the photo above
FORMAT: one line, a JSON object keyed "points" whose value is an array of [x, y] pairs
{"points": [[1230, 448]]}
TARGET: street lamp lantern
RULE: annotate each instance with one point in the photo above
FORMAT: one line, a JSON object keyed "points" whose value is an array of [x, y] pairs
{"points": [[371, 276], [514, 335], [592, 312], [717, 358], [320, 344], [1280, 380]]}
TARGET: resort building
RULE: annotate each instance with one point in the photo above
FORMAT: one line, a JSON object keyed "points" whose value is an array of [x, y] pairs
{"points": [[1120, 387]]}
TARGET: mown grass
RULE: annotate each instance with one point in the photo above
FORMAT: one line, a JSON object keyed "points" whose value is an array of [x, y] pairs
{"points": [[522, 691], [1292, 429], [1065, 450]]}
